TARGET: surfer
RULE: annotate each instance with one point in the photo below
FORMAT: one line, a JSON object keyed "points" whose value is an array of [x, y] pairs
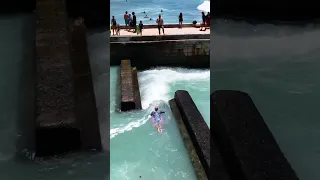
{"points": [[156, 116]]}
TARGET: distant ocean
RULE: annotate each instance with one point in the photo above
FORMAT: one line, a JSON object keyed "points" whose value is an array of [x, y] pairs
{"points": [[171, 10]]}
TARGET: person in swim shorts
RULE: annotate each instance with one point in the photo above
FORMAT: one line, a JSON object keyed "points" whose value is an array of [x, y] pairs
{"points": [[126, 19], [113, 24], [156, 115], [160, 24]]}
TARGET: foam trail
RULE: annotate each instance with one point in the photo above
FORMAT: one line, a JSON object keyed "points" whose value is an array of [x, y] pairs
{"points": [[128, 127], [155, 84]]}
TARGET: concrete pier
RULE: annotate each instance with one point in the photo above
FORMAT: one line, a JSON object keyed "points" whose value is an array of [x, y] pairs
{"points": [[198, 168], [245, 141], [130, 95], [66, 113], [196, 127], [57, 130]]}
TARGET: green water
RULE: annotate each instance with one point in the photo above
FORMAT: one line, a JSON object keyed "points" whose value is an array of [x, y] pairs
{"points": [[279, 66], [136, 148]]}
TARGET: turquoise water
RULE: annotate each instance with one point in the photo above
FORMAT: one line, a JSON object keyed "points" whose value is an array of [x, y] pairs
{"points": [[17, 76], [137, 149], [279, 67], [171, 10]]}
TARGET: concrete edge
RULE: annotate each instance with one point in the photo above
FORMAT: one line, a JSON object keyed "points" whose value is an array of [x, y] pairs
{"points": [[195, 161], [159, 38], [136, 89], [246, 143], [197, 128], [153, 42], [150, 26]]}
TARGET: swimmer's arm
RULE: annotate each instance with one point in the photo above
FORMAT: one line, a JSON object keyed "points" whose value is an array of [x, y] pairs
{"points": [[152, 114], [161, 112]]}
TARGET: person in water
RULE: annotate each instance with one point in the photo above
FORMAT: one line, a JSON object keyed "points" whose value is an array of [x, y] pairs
{"points": [[156, 115]]}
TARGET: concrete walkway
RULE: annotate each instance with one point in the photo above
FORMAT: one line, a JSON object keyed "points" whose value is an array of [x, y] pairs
{"points": [[167, 31]]}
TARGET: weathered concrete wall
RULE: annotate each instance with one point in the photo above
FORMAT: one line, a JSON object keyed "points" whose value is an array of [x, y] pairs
{"points": [[57, 130], [245, 142], [198, 168], [197, 128], [182, 53], [130, 94], [86, 110], [67, 115]]}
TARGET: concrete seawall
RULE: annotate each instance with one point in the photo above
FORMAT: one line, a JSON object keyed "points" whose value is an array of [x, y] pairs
{"points": [[59, 127], [159, 38], [199, 170], [195, 126], [245, 142], [145, 54], [57, 130], [130, 94]]}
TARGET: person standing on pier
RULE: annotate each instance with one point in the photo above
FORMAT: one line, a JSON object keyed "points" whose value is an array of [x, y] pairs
{"points": [[130, 22], [160, 23], [180, 20], [203, 22], [134, 22], [140, 28], [113, 24], [126, 19]]}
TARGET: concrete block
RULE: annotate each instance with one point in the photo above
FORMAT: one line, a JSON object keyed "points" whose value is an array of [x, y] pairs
{"points": [[245, 141], [127, 90], [197, 128]]}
